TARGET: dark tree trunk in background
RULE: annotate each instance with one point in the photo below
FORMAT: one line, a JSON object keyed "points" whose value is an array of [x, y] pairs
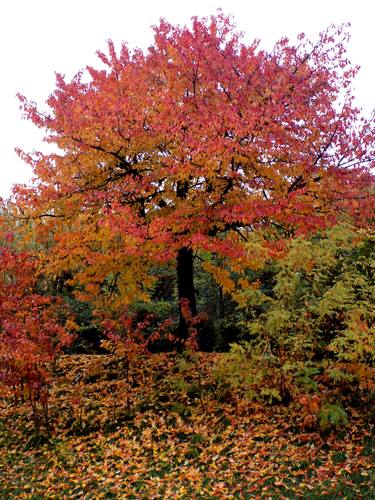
{"points": [[221, 302], [185, 285]]}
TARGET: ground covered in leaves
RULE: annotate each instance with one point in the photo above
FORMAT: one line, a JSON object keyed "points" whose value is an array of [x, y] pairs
{"points": [[164, 428]]}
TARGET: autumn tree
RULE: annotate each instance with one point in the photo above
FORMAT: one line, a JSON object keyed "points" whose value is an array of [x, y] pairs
{"points": [[188, 147], [34, 328]]}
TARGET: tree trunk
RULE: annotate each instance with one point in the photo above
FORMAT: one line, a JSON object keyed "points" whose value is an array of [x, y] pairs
{"points": [[221, 302], [186, 291]]}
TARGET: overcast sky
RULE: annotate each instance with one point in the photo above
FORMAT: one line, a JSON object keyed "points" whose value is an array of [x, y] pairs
{"points": [[39, 37]]}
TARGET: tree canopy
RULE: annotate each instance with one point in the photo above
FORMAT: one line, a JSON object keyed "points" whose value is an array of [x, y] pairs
{"points": [[190, 147]]}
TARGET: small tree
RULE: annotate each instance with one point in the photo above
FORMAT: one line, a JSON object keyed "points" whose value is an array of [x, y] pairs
{"points": [[31, 330]]}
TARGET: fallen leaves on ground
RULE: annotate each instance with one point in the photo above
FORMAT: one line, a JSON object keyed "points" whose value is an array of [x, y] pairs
{"points": [[162, 430]]}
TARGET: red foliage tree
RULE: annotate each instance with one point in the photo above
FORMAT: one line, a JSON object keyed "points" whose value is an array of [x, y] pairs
{"points": [[192, 145], [31, 330]]}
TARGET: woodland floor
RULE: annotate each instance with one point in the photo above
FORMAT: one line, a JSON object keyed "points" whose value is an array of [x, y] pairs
{"points": [[165, 431]]}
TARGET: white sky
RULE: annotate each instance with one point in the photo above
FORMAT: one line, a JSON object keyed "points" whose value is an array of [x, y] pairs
{"points": [[39, 37]]}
